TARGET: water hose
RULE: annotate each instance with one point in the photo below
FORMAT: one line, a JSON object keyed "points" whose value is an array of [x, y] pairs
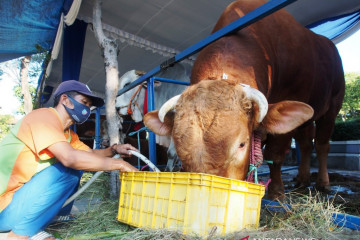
{"points": [[97, 174], [83, 188], [145, 160]]}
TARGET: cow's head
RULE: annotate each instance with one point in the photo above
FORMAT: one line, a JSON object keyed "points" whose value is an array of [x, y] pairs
{"points": [[131, 102], [213, 122]]}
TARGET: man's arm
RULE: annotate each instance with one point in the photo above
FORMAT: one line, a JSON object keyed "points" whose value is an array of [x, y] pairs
{"points": [[87, 161], [122, 149], [106, 152]]}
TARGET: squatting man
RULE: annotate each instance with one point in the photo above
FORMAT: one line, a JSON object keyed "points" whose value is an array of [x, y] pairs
{"points": [[42, 161]]}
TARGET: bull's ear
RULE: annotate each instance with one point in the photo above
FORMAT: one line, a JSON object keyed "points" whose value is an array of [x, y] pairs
{"points": [[285, 116], [152, 121]]}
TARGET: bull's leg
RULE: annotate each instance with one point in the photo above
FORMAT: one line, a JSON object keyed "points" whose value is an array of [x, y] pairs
{"points": [[304, 137], [275, 149], [324, 128]]}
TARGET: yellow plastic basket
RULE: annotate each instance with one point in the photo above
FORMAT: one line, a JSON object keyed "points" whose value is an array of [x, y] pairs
{"points": [[189, 202]]}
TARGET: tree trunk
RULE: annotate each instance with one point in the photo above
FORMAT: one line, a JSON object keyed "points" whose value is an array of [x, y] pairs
{"points": [[24, 79], [109, 48]]}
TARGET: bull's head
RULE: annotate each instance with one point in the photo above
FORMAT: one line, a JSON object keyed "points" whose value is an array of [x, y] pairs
{"points": [[213, 122], [132, 101]]}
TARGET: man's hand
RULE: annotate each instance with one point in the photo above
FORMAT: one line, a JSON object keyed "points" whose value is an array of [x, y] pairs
{"points": [[127, 167], [123, 149]]}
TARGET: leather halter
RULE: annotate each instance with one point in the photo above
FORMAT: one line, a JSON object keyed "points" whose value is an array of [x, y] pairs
{"points": [[132, 100]]}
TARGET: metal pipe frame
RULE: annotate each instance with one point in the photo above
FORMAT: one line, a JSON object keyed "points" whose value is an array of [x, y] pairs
{"points": [[251, 17], [151, 107], [97, 128], [167, 80]]}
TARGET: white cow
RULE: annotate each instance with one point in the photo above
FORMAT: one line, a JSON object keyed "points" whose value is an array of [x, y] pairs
{"points": [[132, 102]]}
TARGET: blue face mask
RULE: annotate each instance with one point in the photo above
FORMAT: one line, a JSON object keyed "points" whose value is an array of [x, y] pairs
{"points": [[80, 113]]}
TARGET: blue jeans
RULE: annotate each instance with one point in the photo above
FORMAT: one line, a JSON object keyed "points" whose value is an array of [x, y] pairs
{"points": [[38, 201]]}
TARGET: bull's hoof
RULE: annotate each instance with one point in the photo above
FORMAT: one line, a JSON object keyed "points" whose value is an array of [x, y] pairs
{"points": [[275, 196], [302, 181], [324, 189], [302, 185], [301, 188], [275, 192]]}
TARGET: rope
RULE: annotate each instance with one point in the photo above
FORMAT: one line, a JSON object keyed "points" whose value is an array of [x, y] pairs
{"points": [[138, 131], [138, 140], [256, 159], [252, 171], [129, 111]]}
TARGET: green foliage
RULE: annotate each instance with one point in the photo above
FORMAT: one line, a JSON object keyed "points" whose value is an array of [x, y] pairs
{"points": [[351, 104], [348, 130], [43, 55], [347, 126], [10, 70], [6, 123]]}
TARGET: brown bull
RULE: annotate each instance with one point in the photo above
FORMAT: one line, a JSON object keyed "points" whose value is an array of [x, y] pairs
{"points": [[295, 78]]}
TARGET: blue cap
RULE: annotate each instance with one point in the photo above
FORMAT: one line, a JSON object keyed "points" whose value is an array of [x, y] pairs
{"points": [[73, 85]]}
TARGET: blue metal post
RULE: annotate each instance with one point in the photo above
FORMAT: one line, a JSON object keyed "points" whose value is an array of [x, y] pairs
{"points": [[151, 107], [251, 17], [97, 128]]}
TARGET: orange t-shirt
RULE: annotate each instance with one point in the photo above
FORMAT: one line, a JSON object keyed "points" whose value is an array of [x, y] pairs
{"points": [[23, 152]]}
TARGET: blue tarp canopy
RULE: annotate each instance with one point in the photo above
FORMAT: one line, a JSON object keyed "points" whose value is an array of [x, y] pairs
{"points": [[334, 27], [29, 26]]}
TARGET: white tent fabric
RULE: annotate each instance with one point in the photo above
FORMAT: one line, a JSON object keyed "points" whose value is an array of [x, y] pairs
{"points": [[68, 19]]}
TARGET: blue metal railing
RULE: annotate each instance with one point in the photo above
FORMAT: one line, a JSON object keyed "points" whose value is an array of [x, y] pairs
{"points": [[97, 128], [151, 107]]}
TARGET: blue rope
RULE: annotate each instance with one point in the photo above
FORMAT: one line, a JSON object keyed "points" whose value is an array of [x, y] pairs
{"points": [[140, 130], [254, 168], [138, 139], [269, 161]]}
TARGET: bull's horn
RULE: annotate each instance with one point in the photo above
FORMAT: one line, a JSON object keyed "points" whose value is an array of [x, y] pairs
{"points": [[259, 98], [168, 106]]}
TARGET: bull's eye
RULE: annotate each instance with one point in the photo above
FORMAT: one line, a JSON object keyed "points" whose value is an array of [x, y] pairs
{"points": [[242, 145]]}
